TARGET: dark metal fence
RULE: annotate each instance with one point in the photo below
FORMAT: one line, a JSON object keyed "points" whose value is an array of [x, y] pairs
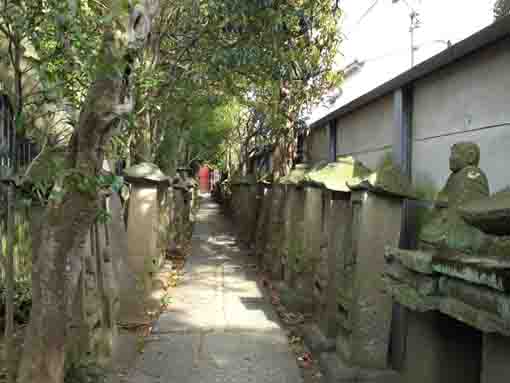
{"points": [[16, 151]]}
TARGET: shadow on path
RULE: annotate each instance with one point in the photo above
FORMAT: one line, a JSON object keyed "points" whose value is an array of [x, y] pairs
{"points": [[219, 328]]}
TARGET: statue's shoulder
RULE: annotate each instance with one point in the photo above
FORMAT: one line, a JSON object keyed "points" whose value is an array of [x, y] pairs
{"points": [[472, 182], [473, 173]]}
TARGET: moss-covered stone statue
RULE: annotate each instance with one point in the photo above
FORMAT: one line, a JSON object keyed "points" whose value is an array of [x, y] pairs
{"points": [[467, 182]]}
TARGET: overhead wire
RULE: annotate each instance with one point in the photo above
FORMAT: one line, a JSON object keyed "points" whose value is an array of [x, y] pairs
{"points": [[361, 18]]}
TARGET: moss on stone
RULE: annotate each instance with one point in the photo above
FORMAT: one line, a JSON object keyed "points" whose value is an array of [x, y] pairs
{"points": [[410, 297], [388, 178], [491, 214], [296, 176], [419, 261], [335, 176], [491, 272], [145, 171]]}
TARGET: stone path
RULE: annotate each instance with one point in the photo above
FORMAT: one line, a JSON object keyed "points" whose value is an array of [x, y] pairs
{"points": [[219, 328]]}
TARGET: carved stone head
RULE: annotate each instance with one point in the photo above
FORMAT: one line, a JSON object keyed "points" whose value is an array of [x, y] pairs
{"points": [[464, 154]]}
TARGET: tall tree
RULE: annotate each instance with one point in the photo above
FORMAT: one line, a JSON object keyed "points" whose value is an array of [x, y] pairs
{"points": [[182, 71], [56, 266], [275, 57]]}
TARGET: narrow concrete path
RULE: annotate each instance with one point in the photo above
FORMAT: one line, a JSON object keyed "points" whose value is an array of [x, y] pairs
{"points": [[219, 328]]}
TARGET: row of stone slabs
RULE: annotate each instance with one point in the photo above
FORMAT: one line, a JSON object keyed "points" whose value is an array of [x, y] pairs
{"points": [[320, 230]]}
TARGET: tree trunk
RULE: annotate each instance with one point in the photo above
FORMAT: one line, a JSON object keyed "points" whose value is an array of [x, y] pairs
{"points": [[55, 277], [10, 278], [57, 265]]}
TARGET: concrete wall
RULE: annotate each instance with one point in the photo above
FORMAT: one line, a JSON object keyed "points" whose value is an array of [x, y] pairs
{"points": [[366, 134], [317, 145], [464, 101]]}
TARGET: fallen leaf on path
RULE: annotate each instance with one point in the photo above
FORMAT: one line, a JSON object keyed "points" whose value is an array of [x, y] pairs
{"points": [[292, 318]]}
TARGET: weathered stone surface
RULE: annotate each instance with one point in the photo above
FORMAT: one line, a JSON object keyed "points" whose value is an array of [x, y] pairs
{"points": [[143, 254], [297, 299], [296, 176], [495, 366], [293, 244], [419, 261], [337, 371], [377, 224], [491, 272], [409, 297], [447, 229], [423, 284], [491, 215], [316, 341], [479, 319], [467, 183], [387, 179], [440, 349], [335, 176], [307, 264], [480, 297], [145, 172], [334, 277], [273, 255], [263, 221], [247, 207]]}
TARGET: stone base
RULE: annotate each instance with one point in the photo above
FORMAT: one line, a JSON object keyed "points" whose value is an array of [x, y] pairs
{"points": [[316, 341], [296, 300], [336, 371], [495, 366]]}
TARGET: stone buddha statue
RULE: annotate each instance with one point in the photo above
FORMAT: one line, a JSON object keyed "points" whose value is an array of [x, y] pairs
{"points": [[466, 183]]}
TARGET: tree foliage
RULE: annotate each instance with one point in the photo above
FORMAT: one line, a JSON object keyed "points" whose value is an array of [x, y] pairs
{"points": [[171, 81], [501, 9], [275, 57]]}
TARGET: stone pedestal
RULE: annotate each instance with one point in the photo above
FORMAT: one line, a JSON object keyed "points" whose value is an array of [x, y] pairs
{"points": [[263, 221], [293, 243], [376, 223], [144, 254], [306, 264], [440, 349], [273, 255], [339, 224], [248, 207], [495, 362], [235, 204], [458, 323]]}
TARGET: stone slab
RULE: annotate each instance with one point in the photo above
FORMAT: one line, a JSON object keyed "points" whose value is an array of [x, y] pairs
{"points": [[470, 315], [423, 283], [409, 297], [491, 272], [336, 371], [480, 297], [376, 225], [419, 261], [495, 366], [316, 341]]}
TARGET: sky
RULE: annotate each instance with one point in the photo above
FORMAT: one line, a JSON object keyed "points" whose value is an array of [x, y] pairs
{"points": [[377, 33]]}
